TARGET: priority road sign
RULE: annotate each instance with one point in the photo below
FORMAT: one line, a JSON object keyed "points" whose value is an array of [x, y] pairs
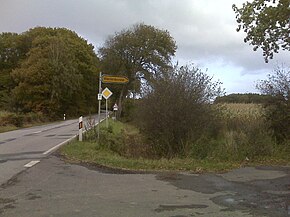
{"points": [[106, 93]]}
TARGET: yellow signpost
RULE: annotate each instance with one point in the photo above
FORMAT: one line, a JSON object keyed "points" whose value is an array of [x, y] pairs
{"points": [[106, 94], [117, 79], [114, 79]]}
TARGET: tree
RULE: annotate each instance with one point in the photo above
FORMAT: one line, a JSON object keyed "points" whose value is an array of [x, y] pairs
{"points": [[266, 23], [57, 76], [175, 112], [140, 52], [278, 107], [12, 51]]}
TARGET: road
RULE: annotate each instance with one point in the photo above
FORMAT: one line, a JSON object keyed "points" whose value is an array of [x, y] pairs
{"points": [[20, 147], [55, 188]]}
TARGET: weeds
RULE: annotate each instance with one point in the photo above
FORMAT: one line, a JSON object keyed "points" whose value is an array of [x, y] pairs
{"points": [[12, 121], [243, 139], [245, 133]]}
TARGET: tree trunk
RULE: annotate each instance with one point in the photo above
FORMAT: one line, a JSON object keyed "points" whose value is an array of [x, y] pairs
{"points": [[120, 102]]}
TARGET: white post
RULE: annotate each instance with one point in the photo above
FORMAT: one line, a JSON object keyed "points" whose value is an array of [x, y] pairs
{"points": [[100, 92], [107, 119], [81, 128], [64, 117]]}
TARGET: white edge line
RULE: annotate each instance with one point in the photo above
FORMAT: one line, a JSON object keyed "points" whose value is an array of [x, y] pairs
{"points": [[64, 142], [57, 146], [31, 163]]}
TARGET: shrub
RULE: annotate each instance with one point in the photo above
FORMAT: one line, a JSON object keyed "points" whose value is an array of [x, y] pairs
{"points": [[278, 106], [9, 118], [129, 109], [111, 141], [175, 112]]}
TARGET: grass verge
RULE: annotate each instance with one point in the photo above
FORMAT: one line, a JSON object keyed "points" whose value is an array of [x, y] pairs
{"points": [[92, 153], [87, 152]]}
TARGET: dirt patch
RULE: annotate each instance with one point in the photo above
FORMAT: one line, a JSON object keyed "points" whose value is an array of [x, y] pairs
{"points": [[32, 196], [98, 167], [163, 208], [6, 203]]}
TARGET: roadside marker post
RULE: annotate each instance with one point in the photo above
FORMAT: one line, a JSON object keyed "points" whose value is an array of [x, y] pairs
{"points": [[64, 117], [81, 128]]}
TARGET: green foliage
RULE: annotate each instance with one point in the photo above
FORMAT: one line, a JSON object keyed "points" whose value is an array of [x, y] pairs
{"points": [[140, 52], [120, 138], [87, 152], [243, 133], [266, 23], [12, 51], [57, 74], [176, 112], [111, 141], [278, 107], [12, 121], [243, 139], [243, 98], [130, 109]]}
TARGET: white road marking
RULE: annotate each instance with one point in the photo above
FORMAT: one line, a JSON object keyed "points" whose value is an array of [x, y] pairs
{"points": [[64, 142], [37, 132], [57, 146], [31, 163]]}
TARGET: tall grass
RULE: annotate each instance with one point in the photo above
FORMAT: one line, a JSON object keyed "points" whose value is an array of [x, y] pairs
{"points": [[11, 120], [245, 132]]}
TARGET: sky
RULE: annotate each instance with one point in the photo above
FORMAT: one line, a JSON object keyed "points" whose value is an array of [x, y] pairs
{"points": [[204, 31]]}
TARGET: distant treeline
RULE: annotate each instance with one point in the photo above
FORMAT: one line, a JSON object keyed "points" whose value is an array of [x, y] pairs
{"points": [[243, 98]]}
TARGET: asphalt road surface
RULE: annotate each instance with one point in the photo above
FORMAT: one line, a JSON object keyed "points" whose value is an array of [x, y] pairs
{"points": [[20, 149], [54, 187]]}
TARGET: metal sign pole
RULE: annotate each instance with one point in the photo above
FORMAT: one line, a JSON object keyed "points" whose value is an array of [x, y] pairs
{"points": [[107, 119], [100, 92]]}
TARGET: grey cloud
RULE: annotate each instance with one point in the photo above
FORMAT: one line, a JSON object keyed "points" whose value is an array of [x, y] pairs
{"points": [[204, 30]]}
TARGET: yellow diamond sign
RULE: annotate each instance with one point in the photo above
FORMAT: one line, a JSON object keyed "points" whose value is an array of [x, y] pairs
{"points": [[106, 93]]}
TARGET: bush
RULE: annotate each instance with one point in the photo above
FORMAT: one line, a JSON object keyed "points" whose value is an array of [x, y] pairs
{"points": [[175, 112], [9, 118], [129, 109], [111, 141], [278, 106], [121, 138]]}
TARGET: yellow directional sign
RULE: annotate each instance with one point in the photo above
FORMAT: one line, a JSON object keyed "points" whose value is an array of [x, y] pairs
{"points": [[114, 79]]}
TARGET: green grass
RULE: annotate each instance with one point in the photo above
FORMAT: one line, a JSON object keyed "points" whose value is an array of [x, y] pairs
{"points": [[89, 153], [92, 153]]}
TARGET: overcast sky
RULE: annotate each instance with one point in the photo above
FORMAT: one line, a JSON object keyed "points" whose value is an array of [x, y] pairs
{"points": [[204, 31]]}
